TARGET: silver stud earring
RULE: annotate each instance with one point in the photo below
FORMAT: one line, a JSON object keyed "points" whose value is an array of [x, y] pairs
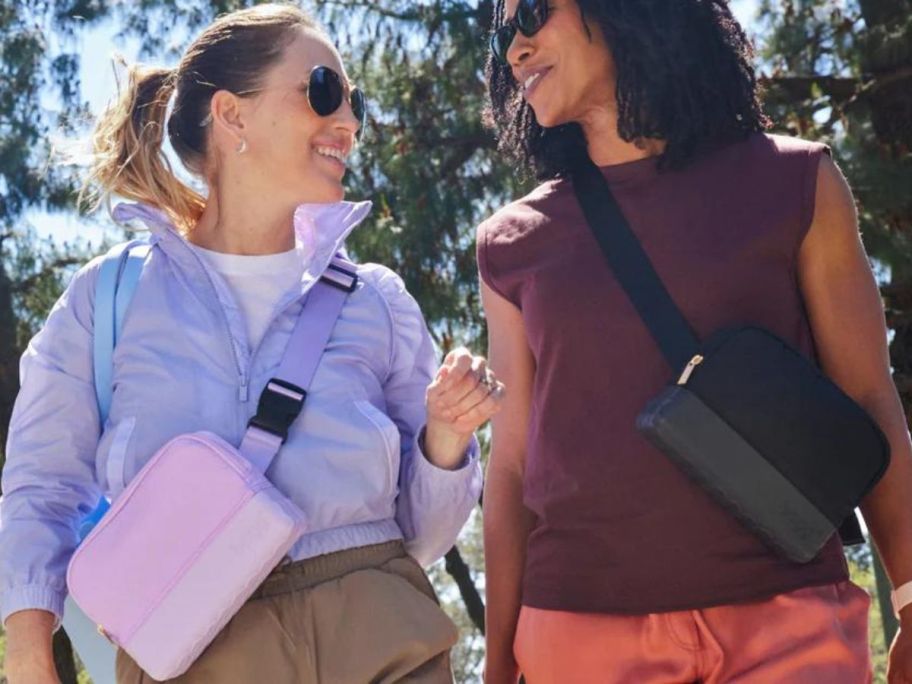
{"points": [[242, 147]]}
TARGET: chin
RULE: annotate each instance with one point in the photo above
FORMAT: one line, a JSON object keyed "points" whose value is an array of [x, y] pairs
{"points": [[336, 194], [324, 191], [547, 119]]}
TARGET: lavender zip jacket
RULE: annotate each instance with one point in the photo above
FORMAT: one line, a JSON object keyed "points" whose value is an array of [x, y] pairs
{"points": [[182, 364]]}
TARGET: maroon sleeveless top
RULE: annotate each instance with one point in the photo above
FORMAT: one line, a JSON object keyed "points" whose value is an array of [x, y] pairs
{"points": [[619, 528]]}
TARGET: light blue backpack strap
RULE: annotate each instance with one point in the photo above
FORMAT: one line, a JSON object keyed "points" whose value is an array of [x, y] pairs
{"points": [[117, 279], [103, 352], [129, 279]]}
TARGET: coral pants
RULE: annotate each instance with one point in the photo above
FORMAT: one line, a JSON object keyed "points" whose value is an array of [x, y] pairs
{"points": [[809, 636]]}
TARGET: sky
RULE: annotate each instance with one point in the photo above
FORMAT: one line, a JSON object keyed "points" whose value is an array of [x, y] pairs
{"points": [[96, 48]]}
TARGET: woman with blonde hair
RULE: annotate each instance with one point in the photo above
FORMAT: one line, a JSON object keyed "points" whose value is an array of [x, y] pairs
{"points": [[381, 461]]}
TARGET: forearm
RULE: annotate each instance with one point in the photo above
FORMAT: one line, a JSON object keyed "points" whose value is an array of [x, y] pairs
{"points": [[29, 648], [887, 509], [507, 524]]}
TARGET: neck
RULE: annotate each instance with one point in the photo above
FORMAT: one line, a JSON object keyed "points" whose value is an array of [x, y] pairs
{"points": [[237, 221], [605, 145]]}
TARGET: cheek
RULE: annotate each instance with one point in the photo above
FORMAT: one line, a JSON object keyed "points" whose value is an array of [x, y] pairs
{"points": [[288, 139]]}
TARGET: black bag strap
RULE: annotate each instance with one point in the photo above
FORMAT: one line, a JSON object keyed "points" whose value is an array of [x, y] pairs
{"points": [[637, 276], [631, 266]]}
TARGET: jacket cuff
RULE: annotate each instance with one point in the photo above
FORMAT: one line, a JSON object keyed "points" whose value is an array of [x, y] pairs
{"points": [[423, 463], [32, 597]]}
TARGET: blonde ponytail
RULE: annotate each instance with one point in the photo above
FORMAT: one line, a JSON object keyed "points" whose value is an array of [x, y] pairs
{"points": [[128, 159], [232, 54]]}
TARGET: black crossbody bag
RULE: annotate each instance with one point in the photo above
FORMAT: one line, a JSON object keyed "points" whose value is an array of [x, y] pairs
{"points": [[748, 417]]}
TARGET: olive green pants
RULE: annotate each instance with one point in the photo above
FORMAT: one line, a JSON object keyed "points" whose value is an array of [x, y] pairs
{"points": [[360, 616]]}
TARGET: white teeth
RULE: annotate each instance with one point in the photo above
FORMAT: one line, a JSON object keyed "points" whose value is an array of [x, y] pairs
{"points": [[531, 80], [331, 152]]}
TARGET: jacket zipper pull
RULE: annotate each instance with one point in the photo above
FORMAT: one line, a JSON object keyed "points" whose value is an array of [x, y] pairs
{"points": [[689, 369], [242, 392]]}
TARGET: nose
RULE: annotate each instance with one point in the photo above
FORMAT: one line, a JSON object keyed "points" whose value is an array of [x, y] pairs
{"points": [[344, 118], [520, 49]]}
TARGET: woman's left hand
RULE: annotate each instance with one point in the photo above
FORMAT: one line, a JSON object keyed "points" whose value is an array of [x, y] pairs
{"points": [[463, 396]]}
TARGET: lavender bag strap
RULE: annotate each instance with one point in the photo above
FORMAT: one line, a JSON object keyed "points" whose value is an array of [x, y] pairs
{"points": [[283, 398]]}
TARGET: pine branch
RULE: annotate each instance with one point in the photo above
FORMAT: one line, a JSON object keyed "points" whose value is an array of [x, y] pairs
{"points": [[844, 89], [419, 14], [27, 283], [800, 87]]}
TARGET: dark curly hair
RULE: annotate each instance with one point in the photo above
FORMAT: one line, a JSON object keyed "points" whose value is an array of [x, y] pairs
{"points": [[684, 76]]}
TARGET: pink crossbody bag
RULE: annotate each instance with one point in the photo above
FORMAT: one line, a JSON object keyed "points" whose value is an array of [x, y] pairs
{"points": [[200, 526]]}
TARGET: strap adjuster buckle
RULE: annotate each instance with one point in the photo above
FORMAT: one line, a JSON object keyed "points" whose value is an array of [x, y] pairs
{"points": [[340, 277], [280, 403]]}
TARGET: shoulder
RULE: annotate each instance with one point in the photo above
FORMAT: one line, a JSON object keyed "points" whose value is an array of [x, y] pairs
{"points": [[524, 215], [385, 293], [381, 281], [388, 290], [79, 295], [780, 151], [788, 145]]}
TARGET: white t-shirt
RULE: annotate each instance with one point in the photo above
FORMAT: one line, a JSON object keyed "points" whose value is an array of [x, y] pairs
{"points": [[257, 283]]}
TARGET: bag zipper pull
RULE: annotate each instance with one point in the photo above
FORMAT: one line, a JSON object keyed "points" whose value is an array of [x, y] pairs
{"points": [[689, 369]]}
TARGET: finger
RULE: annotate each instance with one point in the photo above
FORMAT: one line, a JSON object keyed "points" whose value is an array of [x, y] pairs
{"points": [[460, 365], [485, 388], [453, 357], [481, 412], [451, 371], [471, 381], [443, 397], [437, 405], [440, 380]]}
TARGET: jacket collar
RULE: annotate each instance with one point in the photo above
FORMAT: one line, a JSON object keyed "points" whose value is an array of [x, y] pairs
{"points": [[320, 228]]}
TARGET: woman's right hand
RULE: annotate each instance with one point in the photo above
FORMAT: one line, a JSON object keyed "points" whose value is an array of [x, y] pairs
{"points": [[29, 650]]}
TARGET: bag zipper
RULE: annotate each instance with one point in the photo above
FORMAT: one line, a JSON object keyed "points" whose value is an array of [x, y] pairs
{"points": [[689, 369]]}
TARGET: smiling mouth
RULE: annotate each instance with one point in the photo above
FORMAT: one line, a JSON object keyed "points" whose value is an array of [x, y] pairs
{"points": [[533, 80], [331, 153]]}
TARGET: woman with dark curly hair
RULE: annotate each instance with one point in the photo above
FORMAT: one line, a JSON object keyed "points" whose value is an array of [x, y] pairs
{"points": [[605, 562]]}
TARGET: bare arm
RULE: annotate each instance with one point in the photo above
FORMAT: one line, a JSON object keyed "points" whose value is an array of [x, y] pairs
{"points": [[29, 654], [506, 521], [846, 314]]}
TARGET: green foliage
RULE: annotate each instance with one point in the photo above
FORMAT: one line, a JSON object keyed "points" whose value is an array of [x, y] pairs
{"points": [[427, 161], [33, 272], [831, 71]]}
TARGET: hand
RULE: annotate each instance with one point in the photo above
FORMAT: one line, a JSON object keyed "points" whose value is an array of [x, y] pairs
{"points": [[463, 396], [501, 670], [899, 669]]}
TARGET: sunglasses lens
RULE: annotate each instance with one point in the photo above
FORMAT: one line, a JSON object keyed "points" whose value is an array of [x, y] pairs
{"points": [[531, 16], [325, 91], [501, 41], [359, 109]]}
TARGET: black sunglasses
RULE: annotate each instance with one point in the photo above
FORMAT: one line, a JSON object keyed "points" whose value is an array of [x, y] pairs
{"points": [[325, 93], [530, 16]]}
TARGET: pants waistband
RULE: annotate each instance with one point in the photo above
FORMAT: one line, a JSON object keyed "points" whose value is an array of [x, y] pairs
{"points": [[310, 572]]}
